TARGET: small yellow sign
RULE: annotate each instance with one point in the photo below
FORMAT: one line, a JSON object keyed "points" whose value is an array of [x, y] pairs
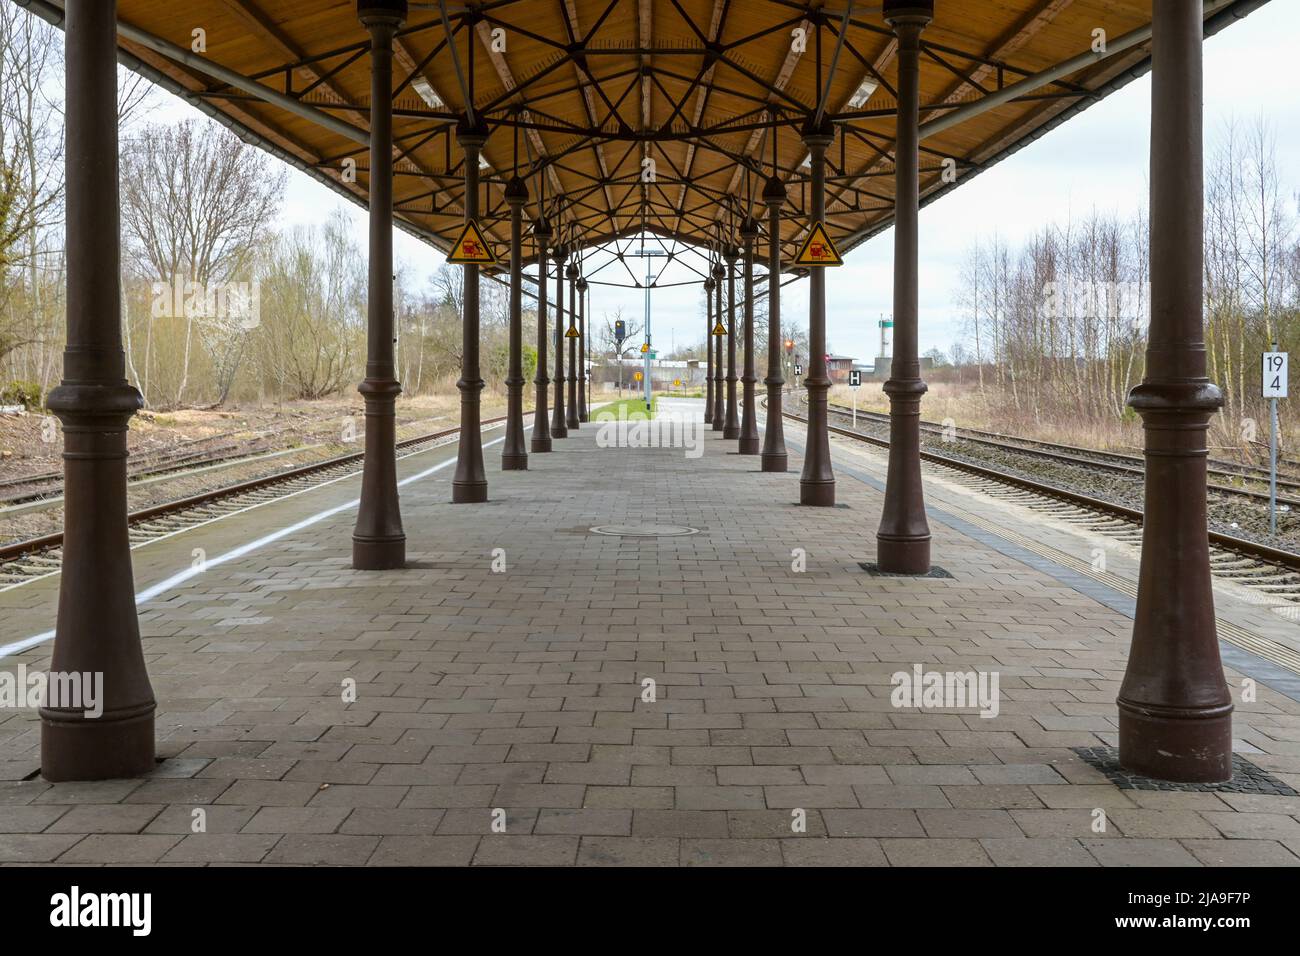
{"points": [[677, 382], [471, 249], [818, 249], [639, 376], [719, 329], [572, 333], [645, 348]]}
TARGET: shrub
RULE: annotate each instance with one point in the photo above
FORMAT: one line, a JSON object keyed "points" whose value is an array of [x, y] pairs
{"points": [[26, 394]]}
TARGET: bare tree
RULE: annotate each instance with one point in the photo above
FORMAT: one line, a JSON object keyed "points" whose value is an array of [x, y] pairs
{"points": [[195, 201]]}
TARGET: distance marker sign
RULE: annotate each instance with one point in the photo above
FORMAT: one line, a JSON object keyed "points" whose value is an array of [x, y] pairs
{"points": [[471, 249], [1273, 373], [818, 249]]}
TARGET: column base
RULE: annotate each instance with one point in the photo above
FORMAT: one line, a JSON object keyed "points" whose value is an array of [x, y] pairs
{"points": [[817, 494], [468, 493], [776, 463], [540, 446], [903, 555], [731, 434], [559, 431], [514, 462], [748, 446], [77, 748], [1176, 744], [718, 425], [378, 554]]}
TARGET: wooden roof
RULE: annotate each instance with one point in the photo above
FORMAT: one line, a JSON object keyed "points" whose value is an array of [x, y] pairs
{"points": [[592, 87]]}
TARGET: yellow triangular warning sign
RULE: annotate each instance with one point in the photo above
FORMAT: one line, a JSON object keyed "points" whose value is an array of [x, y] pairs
{"points": [[572, 333], [719, 329], [645, 348], [471, 249], [817, 249]]}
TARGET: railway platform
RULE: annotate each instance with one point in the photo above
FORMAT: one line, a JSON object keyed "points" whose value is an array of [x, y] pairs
{"points": [[644, 655]]}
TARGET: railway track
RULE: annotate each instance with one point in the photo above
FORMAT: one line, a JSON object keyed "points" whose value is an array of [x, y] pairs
{"points": [[1272, 572], [1288, 485], [24, 561]]}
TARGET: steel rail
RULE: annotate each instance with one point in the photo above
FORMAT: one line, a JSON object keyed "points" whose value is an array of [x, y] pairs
{"points": [[1252, 549], [19, 548]]}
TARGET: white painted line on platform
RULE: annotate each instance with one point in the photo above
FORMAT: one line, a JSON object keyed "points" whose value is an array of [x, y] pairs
{"points": [[167, 584]]}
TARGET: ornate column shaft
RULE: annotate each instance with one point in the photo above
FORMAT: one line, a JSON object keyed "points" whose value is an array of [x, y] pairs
{"points": [[514, 454], [709, 286], [571, 420], [719, 405], [1175, 711], [731, 428], [817, 483], [541, 440], [903, 541], [774, 455], [582, 351], [378, 541], [749, 419], [558, 427], [97, 632], [469, 484]]}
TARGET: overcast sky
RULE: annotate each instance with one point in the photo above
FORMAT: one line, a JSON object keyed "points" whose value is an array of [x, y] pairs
{"points": [[1096, 160]]}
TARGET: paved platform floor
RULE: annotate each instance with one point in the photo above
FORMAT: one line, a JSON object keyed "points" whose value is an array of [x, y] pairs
{"points": [[530, 692]]}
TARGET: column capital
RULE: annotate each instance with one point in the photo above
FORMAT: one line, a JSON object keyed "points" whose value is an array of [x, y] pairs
{"points": [[374, 13], [559, 254], [774, 192], [908, 11], [582, 285], [468, 135], [709, 284], [749, 231], [572, 273], [818, 135], [516, 192], [731, 254], [542, 230], [719, 272]]}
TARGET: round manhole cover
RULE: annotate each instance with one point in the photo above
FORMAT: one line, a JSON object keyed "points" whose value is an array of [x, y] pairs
{"points": [[645, 530]]}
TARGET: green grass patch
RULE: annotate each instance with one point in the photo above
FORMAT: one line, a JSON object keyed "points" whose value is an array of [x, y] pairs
{"points": [[629, 409]]}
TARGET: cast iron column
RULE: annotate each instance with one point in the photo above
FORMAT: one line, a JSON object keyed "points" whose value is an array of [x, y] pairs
{"points": [[749, 421], [571, 418], [774, 453], [378, 541], [582, 351], [732, 427], [1175, 711], [817, 484], [558, 428], [97, 631], [709, 286], [469, 485], [719, 411], [541, 441], [514, 456], [903, 541]]}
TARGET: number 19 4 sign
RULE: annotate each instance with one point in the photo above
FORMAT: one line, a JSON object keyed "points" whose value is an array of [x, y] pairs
{"points": [[1274, 374]]}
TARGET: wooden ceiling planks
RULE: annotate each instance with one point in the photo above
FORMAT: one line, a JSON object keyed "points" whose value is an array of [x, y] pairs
{"points": [[575, 73]]}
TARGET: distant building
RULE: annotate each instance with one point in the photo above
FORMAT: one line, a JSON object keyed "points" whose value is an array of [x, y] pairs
{"points": [[839, 366]]}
